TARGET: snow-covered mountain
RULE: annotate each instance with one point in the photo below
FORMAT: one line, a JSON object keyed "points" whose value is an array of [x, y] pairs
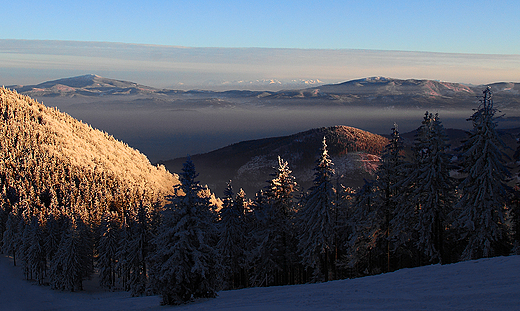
{"points": [[485, 284], [86, 85]]}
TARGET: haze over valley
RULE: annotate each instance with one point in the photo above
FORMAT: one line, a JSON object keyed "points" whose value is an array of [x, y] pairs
{"points": [[166, 124]]}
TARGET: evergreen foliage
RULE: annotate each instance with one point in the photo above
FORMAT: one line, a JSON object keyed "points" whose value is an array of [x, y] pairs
{"points": [[388, 176], [481, 210], [107, 248], [274, 253], [72, 262], [51, 202], [426, 195], [317, 222], [232, 239], [186, 261]]}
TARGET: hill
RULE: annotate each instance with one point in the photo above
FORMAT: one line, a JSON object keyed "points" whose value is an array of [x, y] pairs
{"points": [[53, 161], [409, 93], [86, 85], [485, 284], [248, 164], [355, 154]]}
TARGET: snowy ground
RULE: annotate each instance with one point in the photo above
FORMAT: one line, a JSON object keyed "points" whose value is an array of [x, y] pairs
{"points": [[486, 284]]}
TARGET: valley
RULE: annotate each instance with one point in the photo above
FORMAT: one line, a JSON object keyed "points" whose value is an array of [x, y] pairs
{"points": [[165, 124]]}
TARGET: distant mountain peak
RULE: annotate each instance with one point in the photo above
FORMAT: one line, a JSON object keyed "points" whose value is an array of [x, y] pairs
{"points": [[84, 85]]}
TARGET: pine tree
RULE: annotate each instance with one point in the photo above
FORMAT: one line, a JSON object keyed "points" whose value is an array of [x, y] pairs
{"points": [[316, 219], [426, 193], [515, 206], [434, 189], [11, 237], [72, 262], [360, 243], [388, 175], [275, 234], [232, 241], [36, 257], [55, 228], [186, 261], [139, 247], [481, 208], [107, 250]]}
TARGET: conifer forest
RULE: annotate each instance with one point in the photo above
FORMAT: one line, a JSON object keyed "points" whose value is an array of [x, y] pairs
{"points": [[77, 203]]}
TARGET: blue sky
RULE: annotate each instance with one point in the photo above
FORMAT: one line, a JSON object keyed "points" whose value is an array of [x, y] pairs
{"points": [[487, 27]]}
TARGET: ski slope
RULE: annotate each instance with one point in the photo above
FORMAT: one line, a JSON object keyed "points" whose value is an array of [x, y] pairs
{"points": [[485, 284]]}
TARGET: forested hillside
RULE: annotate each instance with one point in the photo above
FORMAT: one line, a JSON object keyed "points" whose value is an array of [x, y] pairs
{"points": [[60, 179], [50, 152], [355, 153]]}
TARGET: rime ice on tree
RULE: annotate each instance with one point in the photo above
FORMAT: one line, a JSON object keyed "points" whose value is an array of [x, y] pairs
{"points": [[481, 208]]}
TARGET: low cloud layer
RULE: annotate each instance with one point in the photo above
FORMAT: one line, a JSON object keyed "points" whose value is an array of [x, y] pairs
{"points": [[32, 61]]}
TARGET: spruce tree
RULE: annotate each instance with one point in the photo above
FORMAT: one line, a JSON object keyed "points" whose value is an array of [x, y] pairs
{"points": [[316, 220], [36, 257], [360, 242], [388, 175], [186, 261], [426, 193], [274, 252], [481, 208], [11, 237], [232, 241], [107, 250], [72, 262], [140, 246]]}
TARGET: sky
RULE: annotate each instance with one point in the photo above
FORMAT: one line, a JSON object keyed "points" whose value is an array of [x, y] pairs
{"points": [[467, 26], [204, 44]]}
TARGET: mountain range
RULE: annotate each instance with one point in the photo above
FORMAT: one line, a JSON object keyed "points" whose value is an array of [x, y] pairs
{"points": [[161, 121], [373, 91]]}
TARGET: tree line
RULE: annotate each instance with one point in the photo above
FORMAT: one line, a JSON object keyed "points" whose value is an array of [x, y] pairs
{"points": [[415, 211]]}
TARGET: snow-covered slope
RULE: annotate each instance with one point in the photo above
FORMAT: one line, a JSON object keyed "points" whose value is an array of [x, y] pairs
{"points": [[485, 284]]}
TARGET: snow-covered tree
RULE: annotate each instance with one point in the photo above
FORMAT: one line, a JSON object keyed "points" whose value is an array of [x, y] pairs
{"points": [[360, 242], [36, 257], [381, 196], [426, 192], [274, 253], [232, 240], [12, 236], [138, 250], [185, 264], [55, 227], [72, 262], [514, 205], [481, 212], [107, 250], [317, 222]]}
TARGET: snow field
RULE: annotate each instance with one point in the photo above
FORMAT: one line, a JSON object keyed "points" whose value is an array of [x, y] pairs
{"points": [[485, 284]]}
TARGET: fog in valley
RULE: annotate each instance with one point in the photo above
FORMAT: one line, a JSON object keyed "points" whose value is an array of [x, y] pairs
{"points": [[165, 130]]}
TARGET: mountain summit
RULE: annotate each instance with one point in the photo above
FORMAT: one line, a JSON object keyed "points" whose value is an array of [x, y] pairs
{"points": [[86, 85]]}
